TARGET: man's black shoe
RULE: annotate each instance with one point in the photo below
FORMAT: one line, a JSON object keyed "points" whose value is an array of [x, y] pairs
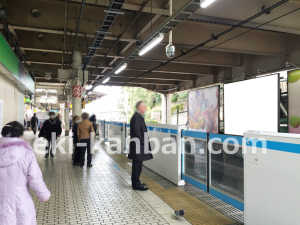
{"points": [[90, 165], [47, 155], [81, 165], [52, 155], [141, 188]]}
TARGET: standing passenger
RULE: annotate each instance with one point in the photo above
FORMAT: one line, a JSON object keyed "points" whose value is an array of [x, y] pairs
{"points": [[49, 128], [94, 121], [76, 159], [84, 130], [138, 154], [19, 171], [34, 123]]}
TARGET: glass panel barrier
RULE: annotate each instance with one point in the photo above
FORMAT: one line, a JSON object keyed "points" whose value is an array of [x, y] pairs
{"points": [[195, 159], [106, 131], [127, 137], [227, 167]]}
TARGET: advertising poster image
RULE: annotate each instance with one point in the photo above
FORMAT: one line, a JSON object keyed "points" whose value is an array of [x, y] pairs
{"points": [[203, 110], [294, 104]]}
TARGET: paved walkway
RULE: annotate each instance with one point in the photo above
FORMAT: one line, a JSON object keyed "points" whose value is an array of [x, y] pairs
{"points": [[97, 195], [103, 195]]}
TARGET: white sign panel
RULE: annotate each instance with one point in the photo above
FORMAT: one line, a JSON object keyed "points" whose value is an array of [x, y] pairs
{"points": [[251, 105]]}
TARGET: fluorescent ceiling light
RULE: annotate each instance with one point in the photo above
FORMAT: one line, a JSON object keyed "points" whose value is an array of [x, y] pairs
{"points": [[152, 43], [105, 80], [205, 3], [121, 68]]}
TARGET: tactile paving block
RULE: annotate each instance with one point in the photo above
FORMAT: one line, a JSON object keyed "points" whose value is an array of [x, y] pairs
{"points": [[196, 202]]}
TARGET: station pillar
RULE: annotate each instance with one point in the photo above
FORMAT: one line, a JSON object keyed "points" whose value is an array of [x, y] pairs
{"points": [[67, 117], [76, 98], [76, 79], [76, 83], [166, 108]]}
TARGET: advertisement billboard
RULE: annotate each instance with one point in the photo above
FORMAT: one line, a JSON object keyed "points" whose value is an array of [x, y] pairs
{"points": [[252, 105], [293, 101], [203, 110]]}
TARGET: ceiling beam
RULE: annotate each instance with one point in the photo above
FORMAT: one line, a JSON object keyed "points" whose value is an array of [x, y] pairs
{"points": [[218, 49], [126, 6], [150, 87], [231, 22], [199, 17], [143, 81], [126, 48], [148, 25], [42, 30], [155, 76], [60, 52], [129, 69], [156, 58]]}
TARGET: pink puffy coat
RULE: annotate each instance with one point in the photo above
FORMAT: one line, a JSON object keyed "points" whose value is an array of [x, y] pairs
{"points": [[19, 171]]}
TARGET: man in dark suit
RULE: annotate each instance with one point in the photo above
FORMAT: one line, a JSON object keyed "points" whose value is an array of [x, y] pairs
{"points": [[139, 147], [51, 126]]}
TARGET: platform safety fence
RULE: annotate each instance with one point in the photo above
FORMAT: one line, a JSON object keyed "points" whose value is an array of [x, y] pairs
{"points": [[221, 175]]}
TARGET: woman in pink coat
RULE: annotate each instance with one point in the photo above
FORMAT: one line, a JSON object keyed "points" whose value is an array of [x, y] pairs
{"points": [[18, 171]]}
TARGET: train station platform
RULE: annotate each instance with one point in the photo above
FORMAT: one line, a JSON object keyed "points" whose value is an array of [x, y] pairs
{"points": [[103, 195]]}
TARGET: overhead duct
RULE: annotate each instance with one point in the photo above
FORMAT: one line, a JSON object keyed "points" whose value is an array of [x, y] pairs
{"points": [[112, 12]]}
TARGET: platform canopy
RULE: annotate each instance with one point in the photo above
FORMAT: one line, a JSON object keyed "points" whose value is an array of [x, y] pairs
{"points": [[111, 33]]}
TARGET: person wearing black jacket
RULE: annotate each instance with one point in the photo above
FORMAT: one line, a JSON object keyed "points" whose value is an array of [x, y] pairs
{"points": [[77, 150], [141, 152], [34, 123], [94, 121], [50, 126]]}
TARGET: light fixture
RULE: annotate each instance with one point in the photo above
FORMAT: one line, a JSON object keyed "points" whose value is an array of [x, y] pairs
{"points": [[121, 68], [106, 80], [205, 3], [151, 44]]}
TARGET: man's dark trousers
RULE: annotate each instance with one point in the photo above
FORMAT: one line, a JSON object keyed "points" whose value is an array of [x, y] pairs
{"points": [[49, 147], [136, 172], [82, 155]]}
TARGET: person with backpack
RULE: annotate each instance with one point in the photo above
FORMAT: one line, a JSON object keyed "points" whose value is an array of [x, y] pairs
{"points": [[51, 128]]}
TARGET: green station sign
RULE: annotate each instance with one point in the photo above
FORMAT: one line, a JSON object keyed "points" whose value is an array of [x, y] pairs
{"points": [[27, 100], [10, 61]]}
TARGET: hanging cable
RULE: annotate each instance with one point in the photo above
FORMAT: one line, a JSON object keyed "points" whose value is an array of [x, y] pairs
{"points": [[219, 35], [170, 48], [77, 29], [121, 35]]}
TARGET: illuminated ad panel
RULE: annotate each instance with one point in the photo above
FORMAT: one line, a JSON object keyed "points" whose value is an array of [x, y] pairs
{"points": [[252, 105], [294, 102]]}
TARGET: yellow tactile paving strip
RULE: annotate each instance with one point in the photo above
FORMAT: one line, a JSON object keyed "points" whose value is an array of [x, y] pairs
{"points": [[197, 212]]}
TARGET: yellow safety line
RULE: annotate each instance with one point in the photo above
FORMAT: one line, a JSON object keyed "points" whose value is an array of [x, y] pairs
{"points": [[196, 212]]}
